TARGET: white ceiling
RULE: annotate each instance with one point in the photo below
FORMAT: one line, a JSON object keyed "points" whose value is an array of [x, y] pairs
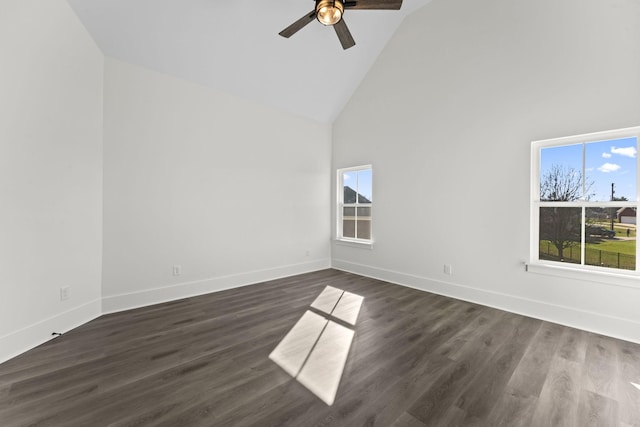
{"points": [[234, 46]]}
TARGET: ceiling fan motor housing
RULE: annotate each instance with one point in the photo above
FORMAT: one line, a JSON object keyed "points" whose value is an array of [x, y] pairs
{"points": [[329, 12]]}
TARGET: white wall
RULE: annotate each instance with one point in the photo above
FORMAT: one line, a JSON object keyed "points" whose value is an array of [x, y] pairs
{"points": [[446, 117], [231, 191], [50, 172]]}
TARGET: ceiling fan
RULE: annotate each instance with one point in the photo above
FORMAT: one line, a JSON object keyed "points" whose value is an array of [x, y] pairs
{"points": [[329, 12]]}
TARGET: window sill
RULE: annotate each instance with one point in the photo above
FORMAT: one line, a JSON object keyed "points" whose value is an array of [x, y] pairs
{"points": [[628, 280], [355, 243]]}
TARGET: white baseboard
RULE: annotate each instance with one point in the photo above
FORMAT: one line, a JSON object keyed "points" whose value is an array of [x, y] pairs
{"points": [[115, 303], [38, 333], [616, 327], [18, 342], [31, 336]]}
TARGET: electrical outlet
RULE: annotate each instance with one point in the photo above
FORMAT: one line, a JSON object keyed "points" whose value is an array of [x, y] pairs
{"points": [[447, 269], [65, 292], [177, 270]]}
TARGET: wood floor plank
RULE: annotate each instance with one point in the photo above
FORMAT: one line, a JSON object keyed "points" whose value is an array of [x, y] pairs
{"points": [[595, 410], [482, 393], [628, 383], [529, 377], [416, 359], [406, 420], [559, 399], [432, 405], [573, 344], [601, 366], [456, 346], [513, 409]]}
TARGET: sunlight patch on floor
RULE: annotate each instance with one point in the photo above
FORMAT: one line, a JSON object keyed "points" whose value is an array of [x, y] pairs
{"points": [[292, 352], [327, 299], [340, 304], [322, 372], [315, 350]]}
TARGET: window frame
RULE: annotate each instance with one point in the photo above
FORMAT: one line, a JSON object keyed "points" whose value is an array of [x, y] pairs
{"points": [[619, 276], [340, 205]]}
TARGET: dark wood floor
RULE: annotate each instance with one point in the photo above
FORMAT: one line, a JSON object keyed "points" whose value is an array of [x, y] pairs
{"points": [[416, 359]]}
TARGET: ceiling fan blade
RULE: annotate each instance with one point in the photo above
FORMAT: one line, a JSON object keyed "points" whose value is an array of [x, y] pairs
{"points": [[344, 35], [298, 25], [373, 4]]}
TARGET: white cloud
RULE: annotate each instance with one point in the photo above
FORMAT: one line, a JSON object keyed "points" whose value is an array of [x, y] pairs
{"points": [[609, 167], [625, 151], [606, 155]]}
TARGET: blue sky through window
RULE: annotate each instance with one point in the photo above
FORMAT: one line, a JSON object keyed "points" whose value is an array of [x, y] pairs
{"points": [[606, 162], [360, 181]]}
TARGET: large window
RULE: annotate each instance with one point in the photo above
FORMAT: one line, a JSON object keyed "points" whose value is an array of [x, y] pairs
{"points": [[354, 204], [585, 200]]}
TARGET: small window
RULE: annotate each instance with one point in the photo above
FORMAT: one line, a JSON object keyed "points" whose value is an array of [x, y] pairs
{"points": [[584, 201], [355, 188]]}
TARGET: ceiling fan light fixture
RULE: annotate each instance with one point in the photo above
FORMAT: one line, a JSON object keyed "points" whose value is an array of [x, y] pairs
{"points": [[329, 12]]}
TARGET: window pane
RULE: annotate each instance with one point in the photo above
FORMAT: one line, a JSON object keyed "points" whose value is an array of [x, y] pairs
{"points": [[349, 222], [364, 211], [364, 186], [350, 186], [349, 228], [612, 162], [610, 237], [349, 212], [561, 173], [364, 222], [364, 228], [560, 234]]}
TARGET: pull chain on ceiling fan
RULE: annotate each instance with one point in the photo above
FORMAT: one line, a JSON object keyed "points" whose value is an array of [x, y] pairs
{"points": [[329, 12]]}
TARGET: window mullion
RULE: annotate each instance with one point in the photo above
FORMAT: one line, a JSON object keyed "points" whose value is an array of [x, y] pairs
{"points": [[583, 236], [584, 173], [355, 210]]}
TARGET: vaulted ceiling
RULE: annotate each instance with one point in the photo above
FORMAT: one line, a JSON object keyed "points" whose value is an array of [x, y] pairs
{"points": [[234, 46]]}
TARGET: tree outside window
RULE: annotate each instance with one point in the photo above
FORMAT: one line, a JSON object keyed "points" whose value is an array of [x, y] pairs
{"points": [[585, 199]]}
